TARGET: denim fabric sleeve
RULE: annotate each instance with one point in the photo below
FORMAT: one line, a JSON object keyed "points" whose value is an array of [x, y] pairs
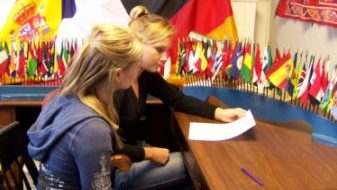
{"points": [[92, 149]]}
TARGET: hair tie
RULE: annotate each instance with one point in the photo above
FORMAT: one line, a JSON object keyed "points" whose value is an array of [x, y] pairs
{"points": [[142, 14]]}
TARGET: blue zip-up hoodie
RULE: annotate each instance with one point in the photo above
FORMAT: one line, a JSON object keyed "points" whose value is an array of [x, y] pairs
{"points": [[74, 145]]}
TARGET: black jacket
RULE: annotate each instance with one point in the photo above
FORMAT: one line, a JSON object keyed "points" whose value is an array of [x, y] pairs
{"points": [[131, 109]]}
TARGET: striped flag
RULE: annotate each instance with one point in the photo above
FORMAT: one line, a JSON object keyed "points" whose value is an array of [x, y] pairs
{"points": [[21, 66], [68, 8], [201, 64], [328, 95], [32, 60], [303, 93], [315, 90], [279, 72], [181, 58], [266, 65], [292, 82], [218, 24], [31, 19], [4, 59], [333, 101], [299, 71], [246, 70], [189, 15], [257, 65], [43, 65], [193, 57], [236, 61], [13, 60], [218, 55], [334, 108], [324, 75], [226, 57]]}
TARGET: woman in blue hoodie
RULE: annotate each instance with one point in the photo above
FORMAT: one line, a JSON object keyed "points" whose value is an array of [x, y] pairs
{"points": [[74, 136]]}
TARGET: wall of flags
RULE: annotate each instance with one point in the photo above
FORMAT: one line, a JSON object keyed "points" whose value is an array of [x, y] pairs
{"points": [[299, 77], [35, 62], [28, 52]]}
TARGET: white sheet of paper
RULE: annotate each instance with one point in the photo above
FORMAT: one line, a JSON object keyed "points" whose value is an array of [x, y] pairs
{"points": [[222, 131]]}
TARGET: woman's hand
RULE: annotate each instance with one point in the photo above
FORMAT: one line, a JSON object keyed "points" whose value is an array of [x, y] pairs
{"points": [[229, 114], [156, 154]]}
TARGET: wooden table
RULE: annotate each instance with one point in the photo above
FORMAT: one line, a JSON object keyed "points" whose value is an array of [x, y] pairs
{"points": [[282, 155], [9, 110], [26, 111]]}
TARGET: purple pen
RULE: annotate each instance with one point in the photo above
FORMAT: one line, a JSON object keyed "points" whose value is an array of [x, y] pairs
{"points": [[257, 180]]}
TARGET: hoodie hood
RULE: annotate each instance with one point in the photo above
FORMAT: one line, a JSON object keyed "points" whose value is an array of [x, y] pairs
{"points": [[60, 115]]}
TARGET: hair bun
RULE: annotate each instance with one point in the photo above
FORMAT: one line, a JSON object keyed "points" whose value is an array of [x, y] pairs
{"points": [[138, 11]]}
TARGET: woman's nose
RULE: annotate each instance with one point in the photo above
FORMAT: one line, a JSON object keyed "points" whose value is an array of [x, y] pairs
{"points": [[163, 57]]}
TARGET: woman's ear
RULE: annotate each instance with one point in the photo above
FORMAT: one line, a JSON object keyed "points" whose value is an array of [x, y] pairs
{"points": [[118, 75]]}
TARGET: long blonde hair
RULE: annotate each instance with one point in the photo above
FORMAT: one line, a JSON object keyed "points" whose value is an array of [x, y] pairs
{"points": [[150, 28], [107, 50]]}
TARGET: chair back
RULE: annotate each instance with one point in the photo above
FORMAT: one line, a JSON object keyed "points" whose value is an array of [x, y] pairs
{"points": [[13, 157]]}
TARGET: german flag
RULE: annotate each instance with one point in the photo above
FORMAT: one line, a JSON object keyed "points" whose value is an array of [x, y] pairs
{"points": [[213, 18]]}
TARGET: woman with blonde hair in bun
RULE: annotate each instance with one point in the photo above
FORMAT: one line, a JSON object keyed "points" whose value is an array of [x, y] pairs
{"points": [[156, 167]]}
